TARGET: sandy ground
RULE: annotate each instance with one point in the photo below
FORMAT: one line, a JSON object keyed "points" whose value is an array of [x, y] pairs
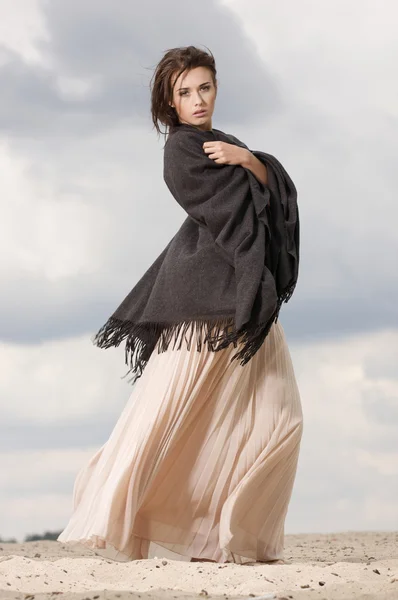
{"points": [[333, 567]]}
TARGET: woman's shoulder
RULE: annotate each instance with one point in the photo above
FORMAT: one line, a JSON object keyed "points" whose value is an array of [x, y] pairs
{"points": [[183, 139], [185, 135], [236, 140]]}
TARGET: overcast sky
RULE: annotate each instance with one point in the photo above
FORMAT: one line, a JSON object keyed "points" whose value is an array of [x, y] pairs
{"points": [[85, 211]]}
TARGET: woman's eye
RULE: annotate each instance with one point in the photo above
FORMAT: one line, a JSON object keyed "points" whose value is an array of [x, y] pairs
{"points": [[207, 87]]}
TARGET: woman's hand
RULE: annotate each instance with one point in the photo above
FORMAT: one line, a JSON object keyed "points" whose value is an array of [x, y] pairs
{"points": [[226, 154], [229, 154]]}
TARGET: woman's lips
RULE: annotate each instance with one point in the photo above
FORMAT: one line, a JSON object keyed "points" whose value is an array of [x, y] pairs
{"points": [[200, 114]]}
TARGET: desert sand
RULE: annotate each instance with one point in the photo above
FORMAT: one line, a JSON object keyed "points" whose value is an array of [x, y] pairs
{"points": [[317, 566]]}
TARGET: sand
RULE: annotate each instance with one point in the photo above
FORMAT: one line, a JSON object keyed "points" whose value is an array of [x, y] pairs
{"points": [[318, 566]]}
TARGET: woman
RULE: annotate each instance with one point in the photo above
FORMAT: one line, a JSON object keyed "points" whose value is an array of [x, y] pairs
{"points": [[203, 458]]}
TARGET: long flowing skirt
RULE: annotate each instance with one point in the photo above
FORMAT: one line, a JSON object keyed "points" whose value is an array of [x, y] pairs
{"points": [[201, 461]]}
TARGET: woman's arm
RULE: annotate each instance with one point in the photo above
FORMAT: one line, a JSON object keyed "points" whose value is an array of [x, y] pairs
{"points": [[251, 162], [220, 196]]}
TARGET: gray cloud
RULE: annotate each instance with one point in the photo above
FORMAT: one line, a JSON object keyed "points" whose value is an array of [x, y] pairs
{"points": [[331, 495], [83, 432], [382, 409], [103, 44]]}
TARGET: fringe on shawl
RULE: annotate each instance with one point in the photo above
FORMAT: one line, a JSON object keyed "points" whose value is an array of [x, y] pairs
{"points": [[142, 338]]}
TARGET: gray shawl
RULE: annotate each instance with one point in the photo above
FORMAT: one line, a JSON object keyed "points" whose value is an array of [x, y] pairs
{"points": [[227, 270]]}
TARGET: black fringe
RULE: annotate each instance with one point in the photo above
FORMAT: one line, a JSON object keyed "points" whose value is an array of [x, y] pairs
{"points": [[142, 338]]}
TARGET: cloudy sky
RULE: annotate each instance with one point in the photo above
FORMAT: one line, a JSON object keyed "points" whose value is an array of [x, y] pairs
{"points": [[310, 82]]}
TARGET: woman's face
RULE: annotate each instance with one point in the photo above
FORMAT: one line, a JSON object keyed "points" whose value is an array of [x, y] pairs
{"points": [[194, 90]]}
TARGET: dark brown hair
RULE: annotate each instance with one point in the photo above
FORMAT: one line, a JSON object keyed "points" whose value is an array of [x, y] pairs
{"points": [[175, 59]]}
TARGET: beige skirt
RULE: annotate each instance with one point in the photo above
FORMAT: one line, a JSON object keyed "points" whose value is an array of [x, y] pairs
{"points": [[201, 461]]}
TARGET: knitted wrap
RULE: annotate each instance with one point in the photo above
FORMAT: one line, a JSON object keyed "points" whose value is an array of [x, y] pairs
{"points": [[226, 272]]}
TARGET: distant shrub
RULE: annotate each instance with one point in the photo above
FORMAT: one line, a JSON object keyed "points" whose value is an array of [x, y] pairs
{"points": [[48, 535]]}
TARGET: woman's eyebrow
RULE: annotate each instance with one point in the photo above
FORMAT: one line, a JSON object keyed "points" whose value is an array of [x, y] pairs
{"points": [[187, 88]]}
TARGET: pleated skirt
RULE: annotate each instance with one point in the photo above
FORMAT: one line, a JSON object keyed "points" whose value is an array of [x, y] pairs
{"points": [[201, 462]]}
